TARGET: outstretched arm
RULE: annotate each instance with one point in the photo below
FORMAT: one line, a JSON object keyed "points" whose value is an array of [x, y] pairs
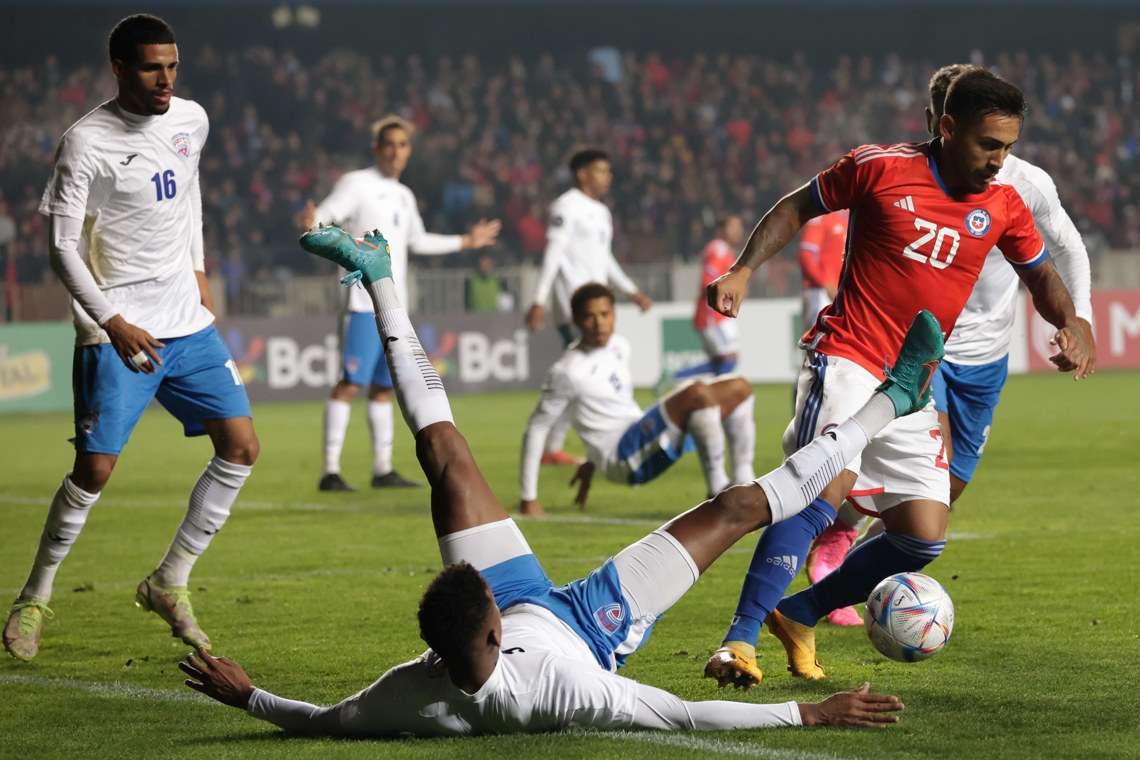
{"points": [[659, 709], [768, 238]]}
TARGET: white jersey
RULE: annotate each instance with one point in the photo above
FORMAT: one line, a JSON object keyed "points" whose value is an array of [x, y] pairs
{"points": [[365, 200], [579, 240], [133, 180], [596, 386], [545, 680], [983, 330]]}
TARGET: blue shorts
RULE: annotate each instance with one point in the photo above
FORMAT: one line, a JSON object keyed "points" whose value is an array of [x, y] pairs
{"points": [[968, 395], [363, 361], [197, 381], [650, 446], [594, 607]]}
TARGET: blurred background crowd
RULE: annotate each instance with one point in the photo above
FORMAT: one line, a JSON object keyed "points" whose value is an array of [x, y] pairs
{"points": [[691, 136]]}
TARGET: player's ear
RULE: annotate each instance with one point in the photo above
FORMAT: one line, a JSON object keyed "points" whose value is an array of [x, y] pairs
{"points": [[946, 126]]}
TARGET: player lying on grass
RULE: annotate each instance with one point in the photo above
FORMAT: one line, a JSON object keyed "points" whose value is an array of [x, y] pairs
{"points": [[509, 651], [592, 383]]}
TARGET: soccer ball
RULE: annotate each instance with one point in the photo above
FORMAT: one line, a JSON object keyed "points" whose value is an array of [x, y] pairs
{"points": [[909, 617]]}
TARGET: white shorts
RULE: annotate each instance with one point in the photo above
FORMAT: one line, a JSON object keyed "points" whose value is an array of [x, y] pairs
{"points": [[905, 461], [722, 338], [814, 301]]}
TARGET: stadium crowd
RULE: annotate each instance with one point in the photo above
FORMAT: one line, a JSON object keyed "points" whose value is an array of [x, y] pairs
{"points": [[689, 136]]}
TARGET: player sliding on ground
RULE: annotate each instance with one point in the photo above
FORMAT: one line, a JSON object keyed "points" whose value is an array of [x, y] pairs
{"points": [[510, 652], [592, 383]]}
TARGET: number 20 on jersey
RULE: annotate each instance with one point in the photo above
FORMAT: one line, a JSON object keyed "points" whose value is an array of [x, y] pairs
{"points": [[165, 187], [940, 236]]}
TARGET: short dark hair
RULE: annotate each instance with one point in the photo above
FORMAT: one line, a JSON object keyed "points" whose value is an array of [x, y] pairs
{"points": [[584, 158], [976, 94], [453, 609], [940, 82], [139, 29], [587, 293]]}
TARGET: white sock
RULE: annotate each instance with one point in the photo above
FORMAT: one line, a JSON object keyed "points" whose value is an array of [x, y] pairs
{"points": [[556, 436], [740, 430], [69, 509], [419, 390], [210, 503], [380, 423], [795, 484], [704, 425], [336, 425]]}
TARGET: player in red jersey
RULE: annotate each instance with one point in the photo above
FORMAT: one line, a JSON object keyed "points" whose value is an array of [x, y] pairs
{"points": [[822, 244], [923, 218], [718, 333]]}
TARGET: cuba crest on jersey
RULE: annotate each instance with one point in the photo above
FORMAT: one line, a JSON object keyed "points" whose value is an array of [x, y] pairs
{"points": [[609, 617], [978, 222], [182, 144]]}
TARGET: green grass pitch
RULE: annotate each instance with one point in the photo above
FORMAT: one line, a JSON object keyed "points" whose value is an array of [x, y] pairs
{"points": [[315, 593]]}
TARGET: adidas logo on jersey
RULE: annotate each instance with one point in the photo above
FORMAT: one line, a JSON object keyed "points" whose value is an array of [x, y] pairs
{"points": [[788, 562], [906, 204]]}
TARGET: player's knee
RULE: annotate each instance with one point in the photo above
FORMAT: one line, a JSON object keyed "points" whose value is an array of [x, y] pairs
{"points": [[92, 473], [697, 395], [441, 444], [243, 450], [741, 504], [344, 391], [736, 389]]}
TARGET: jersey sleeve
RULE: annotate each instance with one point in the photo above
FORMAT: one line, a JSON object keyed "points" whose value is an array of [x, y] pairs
{"points": [[340, 203], [70, 181], [557, 238], [1019, 241], [844, 184], [1064, 243]]}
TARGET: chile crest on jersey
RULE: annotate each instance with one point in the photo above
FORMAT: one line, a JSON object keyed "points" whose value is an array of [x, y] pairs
{"points": [[978, 222]]}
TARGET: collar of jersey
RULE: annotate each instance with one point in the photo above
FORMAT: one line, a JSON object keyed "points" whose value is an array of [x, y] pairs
{"points": [[134, 119]]}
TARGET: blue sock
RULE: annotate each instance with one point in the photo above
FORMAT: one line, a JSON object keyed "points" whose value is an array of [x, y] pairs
{"points": [[778, 557], [852, 582]]}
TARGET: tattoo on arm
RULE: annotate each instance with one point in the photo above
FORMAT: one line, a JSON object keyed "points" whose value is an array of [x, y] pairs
{"points": [[777, 228]]}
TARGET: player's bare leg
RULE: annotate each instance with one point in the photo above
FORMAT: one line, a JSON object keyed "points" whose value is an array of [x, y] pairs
{"points": [[69, 509]]}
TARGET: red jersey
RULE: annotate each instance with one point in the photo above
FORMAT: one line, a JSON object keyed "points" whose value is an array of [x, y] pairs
{"points": [[912, 247], [715, 261], [821, 250]]}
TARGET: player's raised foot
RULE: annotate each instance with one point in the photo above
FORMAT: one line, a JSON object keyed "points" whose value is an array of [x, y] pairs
{"points": [[799, 643], [734, 662], [25, 627], [908, 381], [173, 606], [368, 258], [332, 481], [561, 458], [393, 479]]}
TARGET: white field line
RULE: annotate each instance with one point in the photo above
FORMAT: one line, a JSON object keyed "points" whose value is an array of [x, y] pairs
{"points": [[112, 689], [708, 744], [116, 690]]}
